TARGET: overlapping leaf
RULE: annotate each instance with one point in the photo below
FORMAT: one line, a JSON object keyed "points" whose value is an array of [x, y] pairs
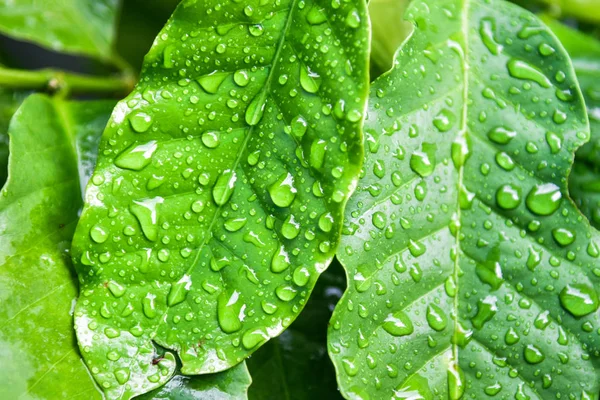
{"points": [[219, 191], [471, 273], [74, 26], [38, 213]]}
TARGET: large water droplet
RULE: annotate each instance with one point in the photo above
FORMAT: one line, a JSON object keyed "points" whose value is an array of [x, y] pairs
{"points": [[136, 157], [283, 192], [522, 70], [436, 318], [398, 324], [230, 312], [309, 79], [146, 212], [486, 309], [256, 109], [280, 261], [508, 197], [140, 121], [544, 199], [179, 291], [533, 355], [223, 188], [211, 82], [579, 299]]}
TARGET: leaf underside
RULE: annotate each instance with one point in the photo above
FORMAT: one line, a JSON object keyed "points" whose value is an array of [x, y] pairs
{"points": [[471, 273], [38, 212], [85, 27], [220, 186]]}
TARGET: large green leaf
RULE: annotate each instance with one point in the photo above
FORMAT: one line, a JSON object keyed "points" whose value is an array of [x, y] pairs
{"points": [[295, 365], [74, 26], [471, 273], [219, 191], [584, 181], [38, 212]]}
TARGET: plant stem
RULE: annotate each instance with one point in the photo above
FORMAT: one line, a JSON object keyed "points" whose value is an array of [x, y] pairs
{"points": [[55, 80]]}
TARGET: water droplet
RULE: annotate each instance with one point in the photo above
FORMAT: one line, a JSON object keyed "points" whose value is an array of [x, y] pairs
{"points": [[486, 31], [283, 192], [149, 306], [98, 233], [211, 139], [285, 292], [235, 224], [398, 324], [280, 261], [290, 228], [533, 355], [379, 220], [140, 121], [122, 375], [316, 15], [508, 197], [146, 212], [211, 82], [579, 299], [445, 120], [486, 309], [256, 109], [230, 312], [353, 19], [522, 70], [511, 336], [179, 291], [251, 339], [544, 199], [501, 135], [223, 188], [423, 162], [136, 157], [309, 80], [350, 366], [317, 153], [116, 288], [436, 318], [456, 382], [563, 236]]}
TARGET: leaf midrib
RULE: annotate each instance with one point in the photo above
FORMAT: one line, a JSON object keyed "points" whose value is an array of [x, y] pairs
{"points": [[266, 88]]}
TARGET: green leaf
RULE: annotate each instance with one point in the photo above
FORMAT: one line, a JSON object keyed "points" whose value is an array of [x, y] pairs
{"points": [[9, 102], [227, 385], [471, 273], [388, 31], [295, 365], [584, 181], [220, 187], [83, 27], [38, 213]]}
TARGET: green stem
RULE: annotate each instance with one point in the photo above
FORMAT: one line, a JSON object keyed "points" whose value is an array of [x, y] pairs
{"points": [[55, 80]]}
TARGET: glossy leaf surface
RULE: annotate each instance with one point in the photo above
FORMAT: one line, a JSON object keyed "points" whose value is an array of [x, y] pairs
{"points": [[83, 27], [219, 191], [38, 213], [471, 273], [296, 365], [584, 181]]}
